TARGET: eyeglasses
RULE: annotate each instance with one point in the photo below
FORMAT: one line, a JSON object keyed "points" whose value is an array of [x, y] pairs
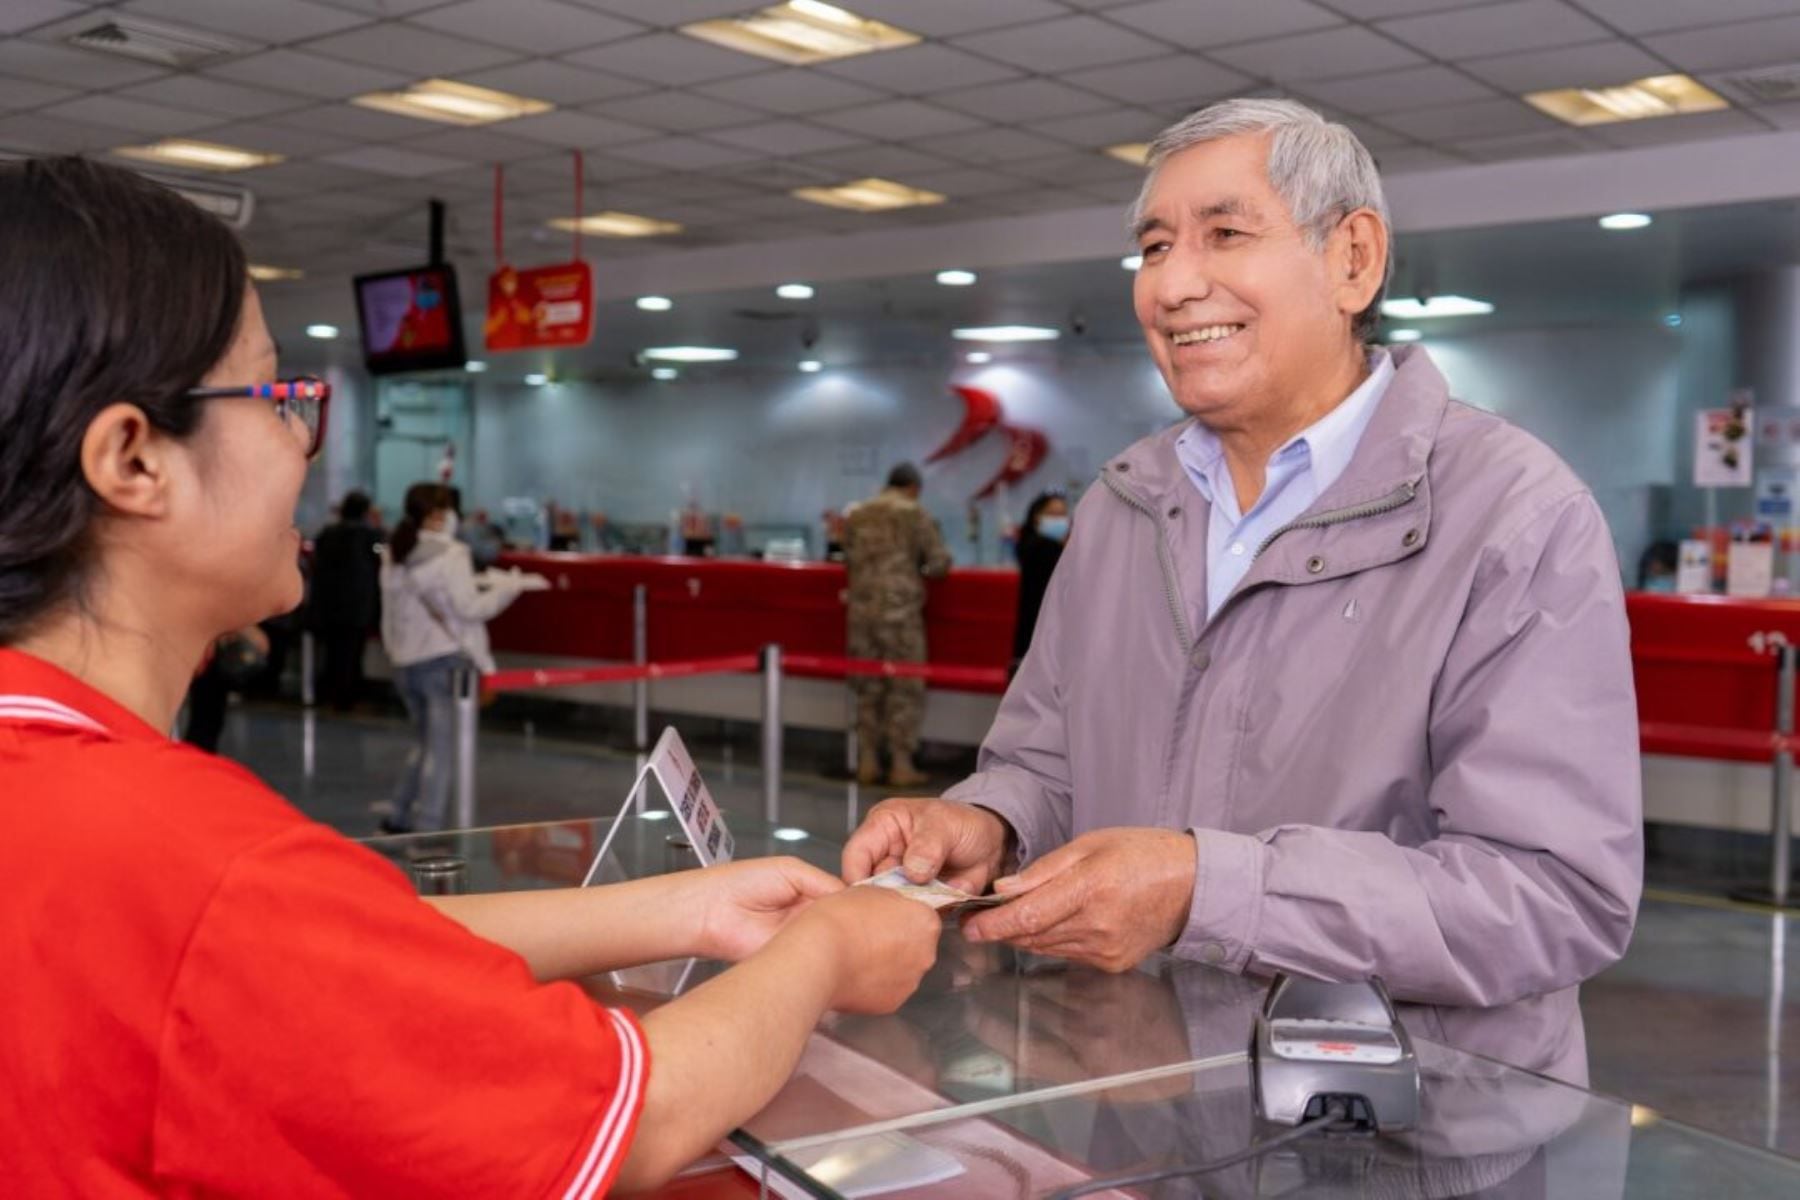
{"points": [[300, 403]]}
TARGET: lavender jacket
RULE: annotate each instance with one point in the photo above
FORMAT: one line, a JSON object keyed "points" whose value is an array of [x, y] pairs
{"points": [[1406, 744]]}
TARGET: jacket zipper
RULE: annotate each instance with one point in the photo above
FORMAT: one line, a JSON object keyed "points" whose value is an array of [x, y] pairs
{"points": [[1337, 516], [1170, 592]]}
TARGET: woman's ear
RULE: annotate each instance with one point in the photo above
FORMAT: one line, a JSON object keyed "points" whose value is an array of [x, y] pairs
{"points": [[125, 462]]}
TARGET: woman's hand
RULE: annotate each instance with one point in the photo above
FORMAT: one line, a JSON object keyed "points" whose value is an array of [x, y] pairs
{"points": [[743, 904]]}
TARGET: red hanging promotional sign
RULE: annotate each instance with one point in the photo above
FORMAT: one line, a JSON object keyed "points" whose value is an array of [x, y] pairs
{"points": [[538, 306]]}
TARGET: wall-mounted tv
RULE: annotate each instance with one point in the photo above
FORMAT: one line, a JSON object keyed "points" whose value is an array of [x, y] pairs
{"points": [[411, 320]]}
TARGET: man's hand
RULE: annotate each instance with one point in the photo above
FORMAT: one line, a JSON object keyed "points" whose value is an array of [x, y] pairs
{"points": [[743, 904], [1109, 898], [929, 838]]}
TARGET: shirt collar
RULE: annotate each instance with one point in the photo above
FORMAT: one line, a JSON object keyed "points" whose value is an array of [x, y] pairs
{"points": [[27, 676]]}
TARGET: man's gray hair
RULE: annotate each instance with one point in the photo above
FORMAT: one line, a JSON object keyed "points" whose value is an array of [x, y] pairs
{"points": [[1320, 169]]}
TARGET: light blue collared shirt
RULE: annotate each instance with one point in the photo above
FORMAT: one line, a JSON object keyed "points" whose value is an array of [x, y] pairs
{"points": [[1299, 472]]}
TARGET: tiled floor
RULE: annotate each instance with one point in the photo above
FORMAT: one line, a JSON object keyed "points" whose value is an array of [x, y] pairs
{"points": [[1700, 1021]]}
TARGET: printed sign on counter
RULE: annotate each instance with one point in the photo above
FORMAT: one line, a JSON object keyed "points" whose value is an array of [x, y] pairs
{"points": [[1694, 572], [1750, 569], [1722, 446]]}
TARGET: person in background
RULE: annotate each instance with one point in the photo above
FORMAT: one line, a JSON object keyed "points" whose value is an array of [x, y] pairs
{"points": [[486, 541], [208, 993], [1040, 545], [434, 615], [1658, 566], [346, 599], [891, 546], [565, 530], [233, 664]]}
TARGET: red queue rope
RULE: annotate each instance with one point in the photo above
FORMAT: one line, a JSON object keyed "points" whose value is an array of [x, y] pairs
{"points": [[531, 679], [821, 666]]}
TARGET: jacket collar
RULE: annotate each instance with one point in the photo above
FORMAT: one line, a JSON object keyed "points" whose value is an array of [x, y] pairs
{"points": [[33, 692]]}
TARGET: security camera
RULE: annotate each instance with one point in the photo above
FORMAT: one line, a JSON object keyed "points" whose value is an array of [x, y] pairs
{"points": [[809, 335], [1077, 324]]}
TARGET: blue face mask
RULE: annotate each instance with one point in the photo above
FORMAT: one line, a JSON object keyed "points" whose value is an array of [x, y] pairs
{"points": [[1660, 583], [1054, 528]]}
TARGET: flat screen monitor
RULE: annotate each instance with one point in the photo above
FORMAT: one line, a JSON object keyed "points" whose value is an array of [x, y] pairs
{"points": [[411, 320]]}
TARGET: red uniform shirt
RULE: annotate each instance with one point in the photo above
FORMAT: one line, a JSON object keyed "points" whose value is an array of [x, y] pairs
{"points": [[204, 993]]}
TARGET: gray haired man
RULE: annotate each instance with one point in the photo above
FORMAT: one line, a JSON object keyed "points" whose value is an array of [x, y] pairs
{"points": [[1334, 677]]}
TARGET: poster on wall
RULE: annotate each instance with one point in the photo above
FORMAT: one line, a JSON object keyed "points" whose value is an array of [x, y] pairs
{"points": [[540, 307], [1722, 448]]}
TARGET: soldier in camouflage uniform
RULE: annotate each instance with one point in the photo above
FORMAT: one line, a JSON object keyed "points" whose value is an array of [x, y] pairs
{"points": [[891, 546]]}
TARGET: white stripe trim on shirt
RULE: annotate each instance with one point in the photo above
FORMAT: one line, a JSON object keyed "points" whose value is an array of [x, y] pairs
{"points": [[608, 1142], [44, 710]]}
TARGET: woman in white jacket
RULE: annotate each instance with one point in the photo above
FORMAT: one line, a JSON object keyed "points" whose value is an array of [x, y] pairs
{"points": [[434, 616]]}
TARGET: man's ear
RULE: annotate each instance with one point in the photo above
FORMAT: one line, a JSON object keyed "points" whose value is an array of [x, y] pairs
{"points": [[126, 462], [1359, 256]]}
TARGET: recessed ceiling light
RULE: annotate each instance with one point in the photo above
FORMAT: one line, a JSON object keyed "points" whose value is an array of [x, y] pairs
{"points": [[655, 303], [664, 374], [789, 834], [654, 814], [795, 291], [979, 356], [453, 103], [323, 332], [1413, 309], [204, 156], [1673, 320], [688, 354], [474, 366], [801, 32], [1132, 262], [1007, 333], [956, 278], [1642, 99], [537, 379], [1625, 220], [1404, 335], [267, 274], [870, 195], [616, 224], [1135, 153], [812, 366]]}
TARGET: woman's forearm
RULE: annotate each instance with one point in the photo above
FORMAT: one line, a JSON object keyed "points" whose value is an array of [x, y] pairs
{"points": [[568, 933]]}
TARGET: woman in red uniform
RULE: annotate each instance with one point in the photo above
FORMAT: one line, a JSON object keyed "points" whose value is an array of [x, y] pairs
{"points": [[206, 993]]}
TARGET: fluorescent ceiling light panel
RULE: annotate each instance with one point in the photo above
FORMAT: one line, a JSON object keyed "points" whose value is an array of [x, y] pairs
{"points": [[689, 354], [204, 156], [980, 356], [1132, 262], [956, 278], [537, 380], [1413, 309], [664, 374], [787, 833], [474, 366], [1640, 100], [453, 103], [812, 366], [795, 291], [1404, 335], [323, 332], [801, 33], [1617, 221], [870, 195], [616, 224], [263, 273], [1007, 333], [655, 303], [1135, 153]]}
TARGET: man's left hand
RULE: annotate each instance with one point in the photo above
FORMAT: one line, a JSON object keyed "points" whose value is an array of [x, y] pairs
{"points": [[1109, 899]]}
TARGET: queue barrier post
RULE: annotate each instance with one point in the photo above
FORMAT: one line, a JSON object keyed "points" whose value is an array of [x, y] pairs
{"points": [[468, 717], [640, 688], [1779, 890], [771, 733], [309, 657]]}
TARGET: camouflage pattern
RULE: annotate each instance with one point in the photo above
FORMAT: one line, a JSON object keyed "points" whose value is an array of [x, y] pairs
{"points": [[891, 546]]}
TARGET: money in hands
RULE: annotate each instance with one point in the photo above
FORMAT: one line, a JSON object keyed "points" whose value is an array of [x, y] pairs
{"points": [[937, 893]]}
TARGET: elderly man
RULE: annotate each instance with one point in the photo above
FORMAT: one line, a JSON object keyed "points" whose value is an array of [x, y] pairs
{"points": [[1334, 676]]}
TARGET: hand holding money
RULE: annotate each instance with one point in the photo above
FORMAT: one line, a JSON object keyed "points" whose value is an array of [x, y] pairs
{"points": [[936, 894]]}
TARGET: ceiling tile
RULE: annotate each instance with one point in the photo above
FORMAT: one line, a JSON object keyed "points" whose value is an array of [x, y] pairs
{"points": [[916, 69], [1785, 115], [1666, 130], [785, 137], [678, 112], [394, 160], [556, 82], [350, 121], [1388, 91], [409, 48], [1221, 22], [575, 130], [287, 140], [888, 162], [1408, 159], [1118, 191], [1103, 128], [1657, 16], [1750, 44], [1595, 64], [684, 153], [381, 8], [1090, 167], [899, 119], [985, 146], [269, 24], [308, 74], [1022, 100], [667, 14], [49, 135], [539, 26], [1181, 80], [1525, 145], [304, 179], [1063, 45], [1372, 10], [20, 15], [964, 181], [68, 67], [1330, 53], [1372, 135], [28, 93], [136, 115], [485, 146], [668, 59], [226, 101], [794, 91], [1483, 118], [1037, 199], [948, 18], [1496, 29]]}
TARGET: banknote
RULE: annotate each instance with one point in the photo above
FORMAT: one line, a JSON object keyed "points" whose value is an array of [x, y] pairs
{"points": [[937, 893]]}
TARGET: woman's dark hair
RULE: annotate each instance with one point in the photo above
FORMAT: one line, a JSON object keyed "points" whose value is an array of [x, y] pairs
{"points": [[354, 510], [113, 289], [422, 499], [1028, 531]]}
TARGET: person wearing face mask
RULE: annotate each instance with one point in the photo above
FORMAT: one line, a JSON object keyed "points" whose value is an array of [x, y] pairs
{"points": [[1040, 545], [434, 615]]}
